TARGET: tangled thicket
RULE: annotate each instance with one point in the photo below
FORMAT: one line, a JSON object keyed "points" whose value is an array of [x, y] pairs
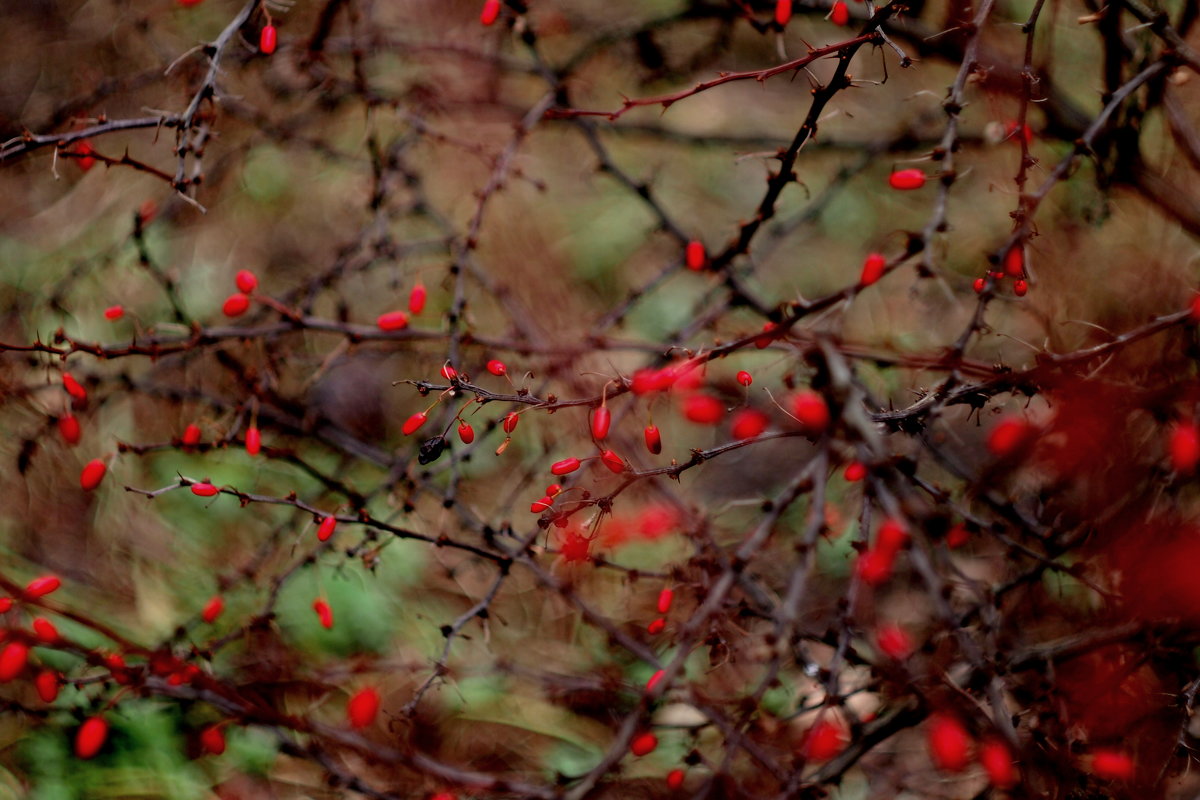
{"points": [[619, 399]]}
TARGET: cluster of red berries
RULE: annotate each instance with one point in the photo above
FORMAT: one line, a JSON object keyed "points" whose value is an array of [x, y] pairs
{"points": [[1014, 267]]}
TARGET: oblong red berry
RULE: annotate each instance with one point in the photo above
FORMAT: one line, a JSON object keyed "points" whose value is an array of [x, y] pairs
{"points": [[958, 535], [1112, 765], [855, 471], [510, 421], [703, 409], [413, 423], [267, 41], [114, 313], [554, 490], [892, 536], [253, 441], [392, 321], [212, 609], [748, 423], [363, 707], [767, 336], [643, 744], [694, 255], [191, 435], [612, 461], [466, 433], [85, 149], [906, 179], [810, 408], [212, 740], [326, 528], [656, 627], [324, 612], [13, 659], [73, 387], [675, 777], [1020, 288], [977, 285], [893, 641], [653, 439], [92, 474], [875, 567], [823, 740], [601, 419], [655, 679], [949, 743], [496, 367], [1014, 261], [783, 11], [91, 737], [745, 378], [538, 506], [567, 465], [490, 12], [449, 372], [246, 281], [46, 684], [40, 587], [416, 299], [1009, 436], [839, 14], [235, 305], [873, 265], [665, 598], [44, 630], [204, 489], [69, 428], [1184, 446], [997, 762]]}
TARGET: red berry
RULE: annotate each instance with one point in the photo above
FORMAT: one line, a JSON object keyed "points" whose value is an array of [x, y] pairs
{"points": [[694, 255], [958, 535], [874, 264], [1020, 288], [574, 548], [656, 627], [809, 407], [6, 605], [44, 630], [949, 743], [892, 537], [73, 387], [823, 741], [1014, 261], [998, 764], [326, 528], [46, 684], [1009, 435], [253, 441], [416, 299], [655, 679], [212, 609], [189, 3], [392, 321], [612, 461], [510, 421], [13, 658], [978, 285], [766, 337], [466, 433], [85, 149], [748, 423], [875, 567], [601, 419], [414, 423], [783, 11], [653, 439], [905, 179], [840, 13], [643, 744], [675, 777], [324, 612], [444, 796], [191, 435], [745, 378], [246, 281], [665, 597], [1112, 765], [491, 10], [235, 305], [855, 471], [1195, 308], [267, 40], [212, 740], [69, 428], [114, 313], [538, 506], [703, 409], [204, 489], [554, 490], [1184, 446], [496, 367], [1010, 131], [91, 736], [449, 372], [40, 587], [363, 707], [893, 641], [567, 465], [93, 473]]}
